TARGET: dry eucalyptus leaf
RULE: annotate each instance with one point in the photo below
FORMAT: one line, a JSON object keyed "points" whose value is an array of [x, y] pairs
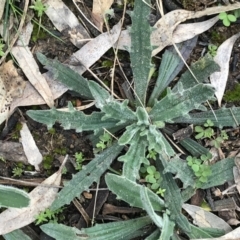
{"points": [[41, 198], [204, 218], [187, 31], [31, 97], [30, 148], [11, 86], [2, 4], [64, 20], [93, 50], [99, 9], [219, 79], [233, 221]]}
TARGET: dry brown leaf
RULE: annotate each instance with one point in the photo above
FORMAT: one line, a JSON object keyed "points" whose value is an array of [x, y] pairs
{"points": [[30, 148], [41, 198], [64, 20], [219, 79], [2, 4], [31, 97], [99, 10], [93, 50], [11, 86], [30, 68], [204, 218]]}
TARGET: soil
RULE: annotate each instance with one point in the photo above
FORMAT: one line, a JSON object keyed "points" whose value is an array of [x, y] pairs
{"points": [[60, 142]]}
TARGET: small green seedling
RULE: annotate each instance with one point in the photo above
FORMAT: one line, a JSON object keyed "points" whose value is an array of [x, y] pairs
{"points": [[152, 154], [48, 216], [105, 141], [79, 160], [227, 19], [161, 192], [40, 8], [220, 139], [17, 172], [152, 176], [200, 168], [206, 131], [212, 49]]}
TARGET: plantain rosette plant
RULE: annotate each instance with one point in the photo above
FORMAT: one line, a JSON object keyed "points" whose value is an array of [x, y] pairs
{"points": [[143, 121]]}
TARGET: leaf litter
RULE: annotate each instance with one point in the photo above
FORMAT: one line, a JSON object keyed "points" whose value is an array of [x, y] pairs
{"points": [[168, 31]]}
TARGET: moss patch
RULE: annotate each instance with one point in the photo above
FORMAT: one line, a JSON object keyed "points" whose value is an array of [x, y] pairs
{"points": [[233, 95]]}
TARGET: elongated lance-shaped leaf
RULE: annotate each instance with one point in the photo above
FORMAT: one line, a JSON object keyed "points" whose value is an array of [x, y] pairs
{"points": [[202, 69], [100, 94], [225, 117], [182, 170], [141, 49], [170, 60], [173, 197], [62, 232], [67, 76], [130, 132], [129, 191], [222, 172], [168, 227], [155, 235], [149, 208], [194, 148], [109, 231], [72, 119], [181, 103], [119, 111], [16, 234], [134, 157], [158, 142], [90, 173], [13, 197], [197, 232]]}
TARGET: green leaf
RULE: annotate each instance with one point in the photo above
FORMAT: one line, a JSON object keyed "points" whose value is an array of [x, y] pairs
{"points": [[72, 119], [90, 173], [180, 103], [231, 18], [13, 197], [129, 191], [134, 157], [173, 197], [225, 117], [202, 69], [168, 227], [16, 235], [67, 76], [149, 208], [61, 232], [182, 170], [222, 172], [169, 62], [141, 49], [195, 167]]}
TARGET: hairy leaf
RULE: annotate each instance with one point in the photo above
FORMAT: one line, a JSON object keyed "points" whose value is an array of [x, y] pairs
{"points": [[201, 69], [72, 119], [173, 198], [13, 197], [168, 227], [222, 172], [169, 63], [129, 191], [181, 103], [149, 208], [134, 157], [225, 117], [67, 76], [16, 235], [182, 170], [141, 49], [90, 173]]}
